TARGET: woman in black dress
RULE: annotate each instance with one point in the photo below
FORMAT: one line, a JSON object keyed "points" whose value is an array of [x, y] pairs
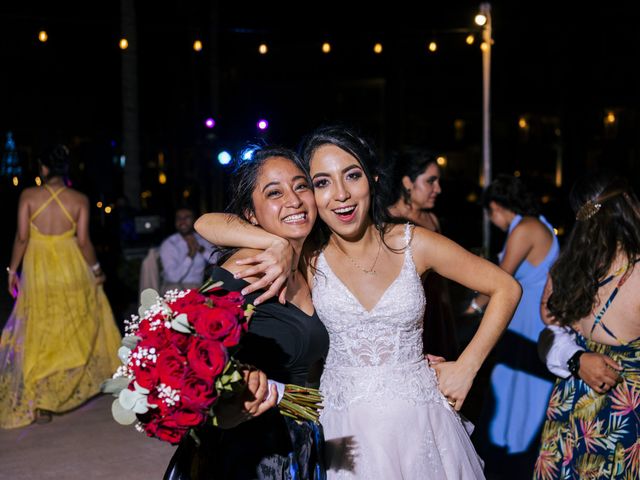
{"points": [[286, 340]]}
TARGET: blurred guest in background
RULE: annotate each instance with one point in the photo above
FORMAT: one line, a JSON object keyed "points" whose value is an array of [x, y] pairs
{"points": [[415, 185], [185, 255], [514, 411], [61, 340]]}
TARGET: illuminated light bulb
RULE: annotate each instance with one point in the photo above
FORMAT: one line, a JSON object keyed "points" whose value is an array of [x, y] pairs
{"points": [[263, 124], [263, 49], [224, 158], [210, 122], [484, 46], [15, 181], [38, 181], [522, 122], [124, 44], [107, 210], [480, 19], [99, 204], [377, 48], [42, 36], [162, 178], [433, 46], [441, 161], [197, 46], [610, 118], [326, 47], [470, 39]]}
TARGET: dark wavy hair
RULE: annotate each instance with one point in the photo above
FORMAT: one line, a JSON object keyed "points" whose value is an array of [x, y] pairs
{"points": [[244, 177], [56, 158], [511, 193], [594, 243], [410, 161], [350, 140]]}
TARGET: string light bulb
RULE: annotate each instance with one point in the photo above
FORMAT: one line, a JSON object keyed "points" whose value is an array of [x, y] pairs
{"points": [[42, 36], [326, 47], [263, 49], [480, 19], [610, 118], [433, 46], [470, 39], [124, 44], [197, 46], [377, 48]]}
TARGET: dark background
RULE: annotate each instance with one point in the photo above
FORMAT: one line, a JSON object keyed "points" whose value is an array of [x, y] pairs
{"points": [[561, 68]]}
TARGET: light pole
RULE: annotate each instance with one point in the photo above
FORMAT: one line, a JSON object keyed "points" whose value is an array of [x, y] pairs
{"points": [[484, 20]]}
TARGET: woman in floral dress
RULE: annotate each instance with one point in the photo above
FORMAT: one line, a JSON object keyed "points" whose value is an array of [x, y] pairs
{"points": [[594, 433]]}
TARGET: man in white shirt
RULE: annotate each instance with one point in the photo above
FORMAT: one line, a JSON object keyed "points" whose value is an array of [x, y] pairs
{"points": [[184, 255], [557, 347]]}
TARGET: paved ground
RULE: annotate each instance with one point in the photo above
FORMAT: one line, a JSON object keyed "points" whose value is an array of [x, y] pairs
{"points": [[84, 444]]}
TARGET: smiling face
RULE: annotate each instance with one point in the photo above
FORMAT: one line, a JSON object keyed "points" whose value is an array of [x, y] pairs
{"points": [[341, 190], [425, 188], [282, 200]]}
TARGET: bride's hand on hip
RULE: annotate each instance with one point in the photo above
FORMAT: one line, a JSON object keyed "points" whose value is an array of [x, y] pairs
{"points": [[274, 265], [454, 381]]}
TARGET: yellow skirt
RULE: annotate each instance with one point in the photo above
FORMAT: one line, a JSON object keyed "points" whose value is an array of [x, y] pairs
{"points": [[61, 341]]}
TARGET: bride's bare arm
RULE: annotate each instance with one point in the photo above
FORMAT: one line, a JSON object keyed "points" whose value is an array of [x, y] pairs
{"points": [[272, 265], [434, 251]]}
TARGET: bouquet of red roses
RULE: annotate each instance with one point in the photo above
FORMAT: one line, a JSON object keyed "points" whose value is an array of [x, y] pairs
{"points": [[178, 360]]}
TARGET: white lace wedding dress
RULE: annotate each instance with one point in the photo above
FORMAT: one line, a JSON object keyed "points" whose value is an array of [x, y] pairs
{"points": [[384, 417]]}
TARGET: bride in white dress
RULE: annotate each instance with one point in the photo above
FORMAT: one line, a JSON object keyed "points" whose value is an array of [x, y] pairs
{"points": [[387, 414]]}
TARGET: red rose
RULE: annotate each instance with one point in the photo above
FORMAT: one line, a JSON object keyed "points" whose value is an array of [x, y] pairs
{"points": [[207, 358], [178, 339], [153, 333], [219, 324], [224, 298], [197, 393], [171, 366], [142, 363], [191, 298], [166, 428]]}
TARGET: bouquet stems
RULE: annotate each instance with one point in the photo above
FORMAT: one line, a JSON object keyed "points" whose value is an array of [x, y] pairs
{"points": [[301, 403]]}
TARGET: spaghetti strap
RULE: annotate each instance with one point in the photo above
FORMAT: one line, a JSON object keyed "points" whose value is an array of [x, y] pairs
{"points": [[408, 235], [598, 317], [53, 197]]}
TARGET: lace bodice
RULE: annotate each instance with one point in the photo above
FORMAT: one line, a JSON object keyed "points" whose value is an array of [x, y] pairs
{"points": [[378, 352], [389, 334]]}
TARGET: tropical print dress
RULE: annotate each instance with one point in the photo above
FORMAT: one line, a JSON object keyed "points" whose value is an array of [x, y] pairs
{"points": [[588, 435]]}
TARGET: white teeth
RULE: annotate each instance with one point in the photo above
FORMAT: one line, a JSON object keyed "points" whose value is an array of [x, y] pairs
{"points": [[344, 209], [294, 218]]}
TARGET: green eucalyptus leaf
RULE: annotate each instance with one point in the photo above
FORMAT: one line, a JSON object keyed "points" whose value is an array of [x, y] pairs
{"points": [[181, 323], [121, 414], [114, 385], [140, 389], [210, 285], [130, 341], [148, 298], [123, 354]]}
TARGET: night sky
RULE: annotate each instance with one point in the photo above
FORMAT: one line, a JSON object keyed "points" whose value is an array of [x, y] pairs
{"points": [[562, 68]]}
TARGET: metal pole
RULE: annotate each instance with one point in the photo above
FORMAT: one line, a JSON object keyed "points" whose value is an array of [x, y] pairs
{"points": [[485, 9]]}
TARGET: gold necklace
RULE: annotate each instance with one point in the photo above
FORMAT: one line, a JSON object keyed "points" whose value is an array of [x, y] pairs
{"points": [[371, 270]]}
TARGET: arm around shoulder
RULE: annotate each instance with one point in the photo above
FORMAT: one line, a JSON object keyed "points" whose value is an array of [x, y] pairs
{"points": [[229, 230]]}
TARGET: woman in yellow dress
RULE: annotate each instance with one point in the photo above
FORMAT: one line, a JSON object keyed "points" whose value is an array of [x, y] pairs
{"points": [[61, 340]]}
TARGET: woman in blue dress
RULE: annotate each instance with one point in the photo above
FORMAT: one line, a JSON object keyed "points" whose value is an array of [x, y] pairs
{"points": [[514, 410]]}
